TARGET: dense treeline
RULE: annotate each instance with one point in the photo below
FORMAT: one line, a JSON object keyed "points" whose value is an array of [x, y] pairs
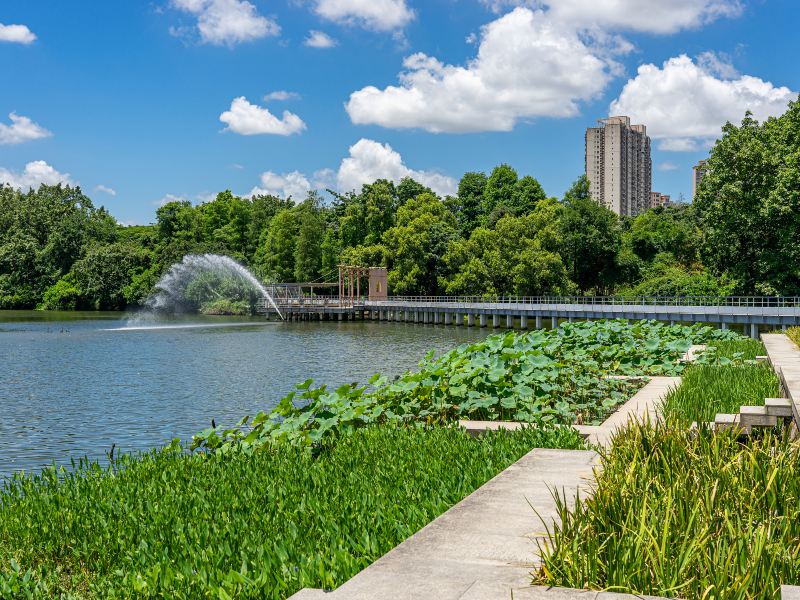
{"points": [[499, 235]]}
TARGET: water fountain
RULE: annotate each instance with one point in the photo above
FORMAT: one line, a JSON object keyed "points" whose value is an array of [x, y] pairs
{"points": [[171, 292]]}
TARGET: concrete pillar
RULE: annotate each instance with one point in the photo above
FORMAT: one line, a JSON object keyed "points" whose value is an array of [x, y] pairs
{"points": [[470, 320], [554, 322], [538, 321], [509, 321], [459, 319], [569, 318], [416, 316], [671, 322], [523, 322], [436, 318], [783, 327], [495, 321], [754, 331], [724, 325], [484, 320], [341, 316]]}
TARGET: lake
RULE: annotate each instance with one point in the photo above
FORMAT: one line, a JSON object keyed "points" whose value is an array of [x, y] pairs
{"points": [[73, 384]]}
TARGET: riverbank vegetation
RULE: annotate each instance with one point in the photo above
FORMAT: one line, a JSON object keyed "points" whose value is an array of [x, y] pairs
{"points": [[235, 525], [547, 377], [500, 234], [683, 514]]}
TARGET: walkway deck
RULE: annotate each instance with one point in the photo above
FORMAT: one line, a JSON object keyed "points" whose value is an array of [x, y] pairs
{"points": [[485, 546], [785, 359]]}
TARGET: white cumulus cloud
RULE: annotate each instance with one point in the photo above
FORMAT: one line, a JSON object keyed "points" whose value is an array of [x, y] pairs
{"points": [[226, 22], [370, 160], [22, 129], [319, 39], [33, 175], [653, 16], [294, 185], [527, 66], [377, 15], [684, 105], [16, 34], [249, 119], [105, 189]]}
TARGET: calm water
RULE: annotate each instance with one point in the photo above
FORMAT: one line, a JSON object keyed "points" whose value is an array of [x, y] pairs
{"points": [[71, 385]]}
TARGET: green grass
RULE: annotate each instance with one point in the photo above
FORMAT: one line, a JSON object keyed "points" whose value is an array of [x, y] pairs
{"points": [[794, 334], [235, 525], [744, 348], [684, 515], [708, 389]]}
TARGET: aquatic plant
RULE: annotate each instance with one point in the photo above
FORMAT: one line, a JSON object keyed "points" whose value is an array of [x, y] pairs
{"points": [[683, 514], [168, 524], [545, 377]]}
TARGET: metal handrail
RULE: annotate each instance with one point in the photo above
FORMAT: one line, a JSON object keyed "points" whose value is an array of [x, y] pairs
{"points": [[738, 301]]}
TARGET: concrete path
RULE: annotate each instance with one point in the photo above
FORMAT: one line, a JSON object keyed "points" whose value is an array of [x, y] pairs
{"points": [[784, 357], [485, 547]]}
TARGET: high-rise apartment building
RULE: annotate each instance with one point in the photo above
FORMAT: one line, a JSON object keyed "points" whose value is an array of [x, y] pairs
{"points": [[618, 165], [698, 172]]}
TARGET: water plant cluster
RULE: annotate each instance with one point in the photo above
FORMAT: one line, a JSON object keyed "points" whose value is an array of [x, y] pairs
{"points": [[683, 514], [547, 377], [232, 525]]}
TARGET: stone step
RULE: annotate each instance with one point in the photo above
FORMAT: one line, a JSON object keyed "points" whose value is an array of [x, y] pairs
{"points": [[779, 407], [756, 416], [723, 421], [762, 358]]}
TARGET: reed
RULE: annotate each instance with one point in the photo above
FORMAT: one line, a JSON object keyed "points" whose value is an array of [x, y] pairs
{"points": [[685, 515]]}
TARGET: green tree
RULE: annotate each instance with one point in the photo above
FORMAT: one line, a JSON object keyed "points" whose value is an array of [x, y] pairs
{"points": [[499, 192], [310, 236], [408, 189], [276, 257], [590, 238], [102, 274], [749, 204], [416, 244], [527, 192], [468, 205]]}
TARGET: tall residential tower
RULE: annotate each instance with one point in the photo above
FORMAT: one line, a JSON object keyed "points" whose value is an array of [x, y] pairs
{"points": [[618, 165]]}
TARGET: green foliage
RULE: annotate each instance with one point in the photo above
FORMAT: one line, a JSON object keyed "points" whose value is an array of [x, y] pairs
{"points": [[749, 204], [415, 245], [794, 334], [235, 525], [674, 280], [683, 514], [590, 238], [708, 390], [543, 377], [498, 195], [224, 306], [519, 256], [64, 294]]}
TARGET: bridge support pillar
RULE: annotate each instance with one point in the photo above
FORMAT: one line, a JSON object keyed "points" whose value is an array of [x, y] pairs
{"points": [[523, 322], [554, 322], [724, 325], [459, 320], [538, 321], [470, 320], [671, 322], [341, 316], [783, 327], [483, 320], [495, 321], [509, 321], [436, 318], [754, 331]]}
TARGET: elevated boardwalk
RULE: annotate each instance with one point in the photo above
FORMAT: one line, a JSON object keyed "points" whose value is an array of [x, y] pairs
{"points": [[748, 314]]}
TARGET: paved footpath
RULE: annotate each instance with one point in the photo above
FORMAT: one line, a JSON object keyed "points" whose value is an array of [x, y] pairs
{"points": [[485, 546], [785, 359]]}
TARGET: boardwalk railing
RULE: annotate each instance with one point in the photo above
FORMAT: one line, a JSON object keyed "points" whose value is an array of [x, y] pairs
{"points": [[743, 301]]}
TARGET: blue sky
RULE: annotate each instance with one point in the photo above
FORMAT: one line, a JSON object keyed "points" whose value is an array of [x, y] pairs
{"points": [[143, 101]]}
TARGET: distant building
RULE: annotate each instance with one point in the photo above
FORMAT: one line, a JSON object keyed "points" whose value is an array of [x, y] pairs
{"points": [[698, 172], [618, 165], [658, 199]]}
